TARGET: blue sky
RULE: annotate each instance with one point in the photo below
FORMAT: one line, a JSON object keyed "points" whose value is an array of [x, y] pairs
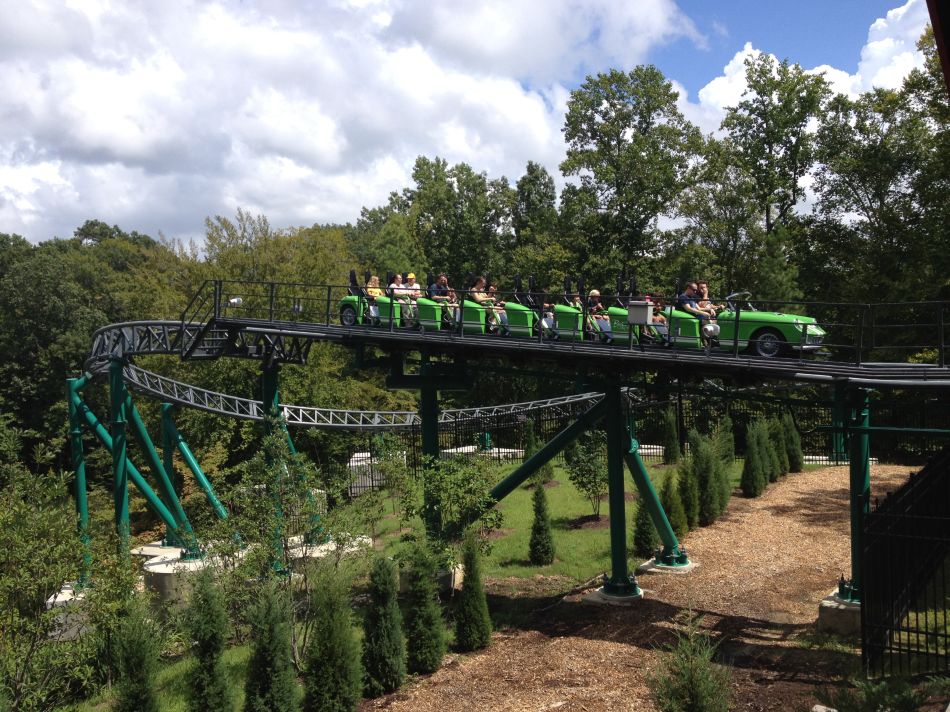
{"points": [[809, 32], [154, 115]]}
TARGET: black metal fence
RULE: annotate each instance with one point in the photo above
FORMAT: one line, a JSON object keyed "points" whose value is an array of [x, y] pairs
{"points": [[905, 601]]}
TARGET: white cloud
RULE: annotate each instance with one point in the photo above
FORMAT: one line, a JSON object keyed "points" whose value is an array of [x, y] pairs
{"points": [[154, 115]]}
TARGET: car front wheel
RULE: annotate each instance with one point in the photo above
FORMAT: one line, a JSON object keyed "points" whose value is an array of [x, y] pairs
{"points": [[767, 343], [348, 316]]}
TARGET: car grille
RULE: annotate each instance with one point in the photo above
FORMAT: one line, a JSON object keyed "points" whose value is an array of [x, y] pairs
{"points": [[814, 339]]}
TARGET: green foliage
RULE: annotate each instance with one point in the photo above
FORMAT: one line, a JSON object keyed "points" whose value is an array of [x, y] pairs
{"points": [[688, 680], [671, 438], [779, 445], [770, 455], [472, 622], [755, 470], [689, 491], [333, 677], [793, 444], [891, 694], [425, 634], [137, 649], [206, 623], [541, 548], [384, 645], [724, 439], [545, 473], [706, 469], [270, 684], [645, 537], [588, 468], [673, 506]]}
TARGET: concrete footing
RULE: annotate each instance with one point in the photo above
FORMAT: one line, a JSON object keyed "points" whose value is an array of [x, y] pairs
{"points": [[652, 567], [839, 616], [169, 578], [598, 597]]}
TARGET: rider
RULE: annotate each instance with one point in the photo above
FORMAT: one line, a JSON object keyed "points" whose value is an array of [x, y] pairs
{"points": [[599, 312], [688, 302]]}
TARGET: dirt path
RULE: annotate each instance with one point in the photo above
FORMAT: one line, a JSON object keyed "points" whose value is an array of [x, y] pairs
{"points": [[763, 568]]}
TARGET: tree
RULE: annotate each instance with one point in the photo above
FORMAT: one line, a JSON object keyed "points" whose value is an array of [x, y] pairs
{"points": [[207, 624], [645, 537], [630, 146], [588, 469], [755, 468], [689, 491], [472, 622], [535, 209], [137, 653], [673, 505], [425, 634], [793, 444], [777, 436], [270, 683], [688, 679], [774, 145], [671, 438], [770, 456], [333, 678], [541, 547], [384, 646]]}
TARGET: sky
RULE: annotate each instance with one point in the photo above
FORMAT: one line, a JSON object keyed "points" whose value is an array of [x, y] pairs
{"points": [[155, 115]]}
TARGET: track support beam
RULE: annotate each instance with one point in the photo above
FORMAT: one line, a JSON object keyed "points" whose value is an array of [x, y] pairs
{"points": [[73, 386], [860, 487], [120, 475], [620, 583]]}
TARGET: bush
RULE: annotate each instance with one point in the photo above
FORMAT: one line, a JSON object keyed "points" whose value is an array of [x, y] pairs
{"points": [[206, 623], [545, 473], [793, 444], [893, 695], [754, 472], [689, 492], [137, 648], [706, 468], [384, 646], [541, 548], [645, 538], [725, 440], [588, 469], [777, 436], [673, 505], [270, 683], [688, 680], [425, 634], [773, 466], [333, 677], [671, 438], [472, 622]]}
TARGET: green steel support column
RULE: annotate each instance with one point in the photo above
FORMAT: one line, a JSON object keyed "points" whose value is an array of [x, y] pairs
{"points": [[170, 431], [673, 554], [429, 414], [99, 430], [270, 397], [860, 477], [120, 475], [620, 583], [839, 421], [189, 543], [548, 451], [168, 449], [79, 470]]}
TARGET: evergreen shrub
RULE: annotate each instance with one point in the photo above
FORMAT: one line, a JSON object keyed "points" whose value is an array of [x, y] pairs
{"points": [[271, 683], [541, 547], [137, 649], [206, 622], [472, 622], [793, 444], [333, 675], [671, 438], [754, 469], [645, 537], [688, 680], [673, 505], [425, 633], [384, 645], [779, 444], [689, 491]]}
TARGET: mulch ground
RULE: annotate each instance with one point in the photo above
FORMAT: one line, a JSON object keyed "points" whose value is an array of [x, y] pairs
{"points": [[764, 567]]}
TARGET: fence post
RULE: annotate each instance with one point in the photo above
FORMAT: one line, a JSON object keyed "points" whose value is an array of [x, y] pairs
{"points": [[860, 485]]}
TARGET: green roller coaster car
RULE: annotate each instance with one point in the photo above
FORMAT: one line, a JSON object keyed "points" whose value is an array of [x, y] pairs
{"points": [[763, 333]]}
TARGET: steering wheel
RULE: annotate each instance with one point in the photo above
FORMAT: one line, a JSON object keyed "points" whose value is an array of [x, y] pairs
{"points": [[731, 299]]}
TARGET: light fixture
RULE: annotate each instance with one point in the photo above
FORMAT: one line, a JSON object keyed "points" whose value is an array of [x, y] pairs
{"points": [[235, 302]]}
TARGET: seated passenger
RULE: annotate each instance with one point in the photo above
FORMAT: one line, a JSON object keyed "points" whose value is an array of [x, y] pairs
{"points": [[372, 291], [441, 292], [493, 314], [400, 294], [659, 325], [704, 302], [688, 302], [599, 314], [412, 288]]}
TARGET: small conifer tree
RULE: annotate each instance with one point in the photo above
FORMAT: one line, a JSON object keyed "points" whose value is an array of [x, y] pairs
{"points": [[705, 464], [688, 678], [541, 548], [333, 675], [725, 440], [673, 505], [137, 649], [270, 685], [425, 634], [671, 438], [384, 645], [777, 435], [206, 621], [773, 466], [645, 538], [723, 469], [472, 622], [793, 444], [689, 491], [754, 474]]}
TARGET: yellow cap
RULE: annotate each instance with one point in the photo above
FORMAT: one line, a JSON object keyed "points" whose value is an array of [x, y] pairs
{"points": [[411, 275]]}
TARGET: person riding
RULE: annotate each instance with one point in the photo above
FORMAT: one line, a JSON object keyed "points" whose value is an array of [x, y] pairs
{"points": [[688, 302], [400, 293], [704, 301], [494, 314], [600, 315], [412, 288], [659, 324], [441, 292], [373, 290]]}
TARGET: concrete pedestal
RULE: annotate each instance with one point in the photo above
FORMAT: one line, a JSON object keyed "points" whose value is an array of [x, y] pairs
{"points": [[652, 567], [169, 579], [598, 597], [839, 616]]}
